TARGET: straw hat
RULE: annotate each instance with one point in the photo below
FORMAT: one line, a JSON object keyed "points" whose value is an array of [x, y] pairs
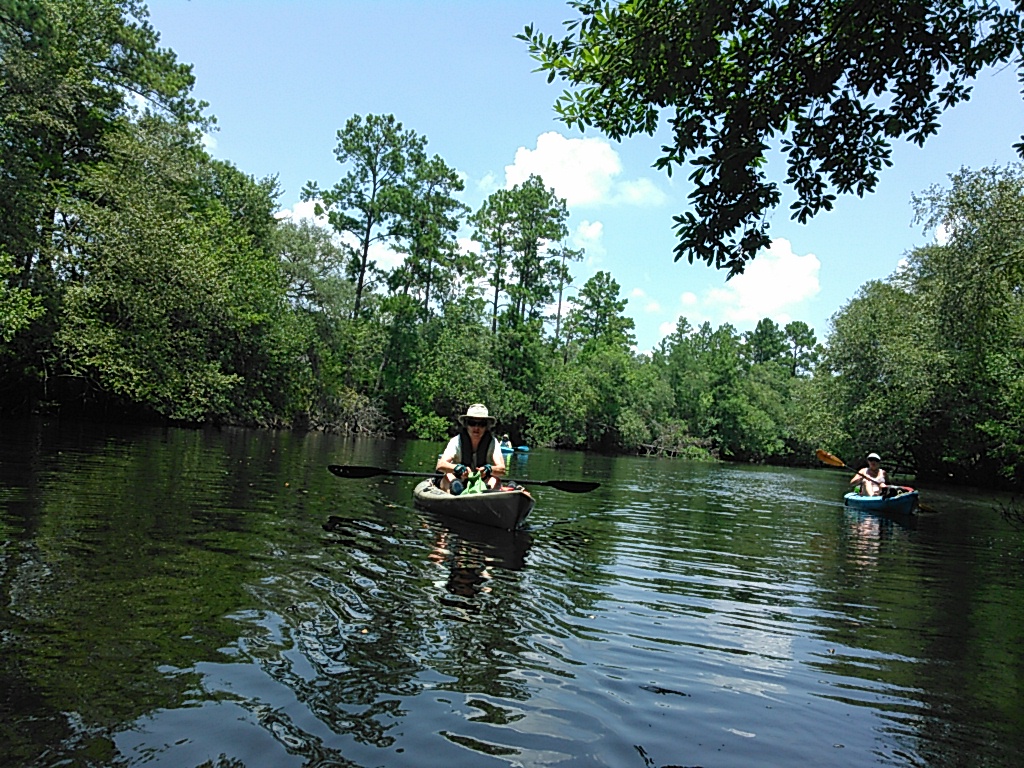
{"points": [[477, 411]]}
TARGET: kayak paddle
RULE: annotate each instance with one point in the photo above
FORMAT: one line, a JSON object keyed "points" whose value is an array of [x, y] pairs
{"points": [[831, 459], [355, 473], [827, 458]]}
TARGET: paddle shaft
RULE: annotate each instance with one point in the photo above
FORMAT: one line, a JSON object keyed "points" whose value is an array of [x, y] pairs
{"points": [[355, 472]]}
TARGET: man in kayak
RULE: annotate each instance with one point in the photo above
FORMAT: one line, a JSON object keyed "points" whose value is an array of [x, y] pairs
{"points": [[474, 447], [873, 480]]}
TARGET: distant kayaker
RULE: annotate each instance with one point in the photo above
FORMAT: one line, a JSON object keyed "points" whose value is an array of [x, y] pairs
{"points": [[474, 447], [873, 479]]}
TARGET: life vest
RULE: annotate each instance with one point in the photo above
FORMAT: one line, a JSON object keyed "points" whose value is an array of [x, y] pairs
{"points": [[484, 451]]}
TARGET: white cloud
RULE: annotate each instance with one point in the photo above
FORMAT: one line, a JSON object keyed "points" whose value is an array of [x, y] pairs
{"points": [[209, 142], [651, 307], [580, 170], [774, 285], [302, 210], [589, 235], [384, 256], [488, 184], [583, 171], [640, 192], [468, 245]]}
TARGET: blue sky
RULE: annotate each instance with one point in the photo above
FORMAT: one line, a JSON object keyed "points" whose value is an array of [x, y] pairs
{"points": [[282, 77]]}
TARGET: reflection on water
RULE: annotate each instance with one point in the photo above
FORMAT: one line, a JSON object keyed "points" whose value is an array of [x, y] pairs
{"points": [[176, 598]]}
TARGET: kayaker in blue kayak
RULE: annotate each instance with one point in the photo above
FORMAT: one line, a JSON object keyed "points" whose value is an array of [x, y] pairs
{"points": [[473, 448], [872, 480]]}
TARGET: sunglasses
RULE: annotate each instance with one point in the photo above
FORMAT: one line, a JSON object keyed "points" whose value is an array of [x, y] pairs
{"points": [[476, 423]]}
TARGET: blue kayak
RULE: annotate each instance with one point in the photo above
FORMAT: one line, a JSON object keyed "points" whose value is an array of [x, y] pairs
{"points": [[905, 502]]}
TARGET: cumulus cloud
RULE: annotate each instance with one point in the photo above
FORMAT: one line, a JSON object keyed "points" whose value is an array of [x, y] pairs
{"points": [[666, 329], [488, 184], [640, 192], [651, 306], [383, 255], [302, 210], [589, 235], [774, 285], [583, 171]]}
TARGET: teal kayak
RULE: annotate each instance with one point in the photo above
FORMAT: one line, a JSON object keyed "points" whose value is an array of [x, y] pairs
{"points": [[905, 502]]}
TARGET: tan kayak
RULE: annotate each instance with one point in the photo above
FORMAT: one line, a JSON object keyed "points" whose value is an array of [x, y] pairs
{"points": [[498, 509]]}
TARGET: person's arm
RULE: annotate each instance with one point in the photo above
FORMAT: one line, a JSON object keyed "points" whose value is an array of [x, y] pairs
{"points": [[449, 459], [497, 460]]}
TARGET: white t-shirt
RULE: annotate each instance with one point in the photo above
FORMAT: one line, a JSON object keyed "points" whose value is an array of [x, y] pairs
{"points": [[453, 452]]}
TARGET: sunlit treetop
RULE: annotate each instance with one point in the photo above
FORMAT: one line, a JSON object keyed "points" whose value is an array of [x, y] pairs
{"points": [[830, 83]]}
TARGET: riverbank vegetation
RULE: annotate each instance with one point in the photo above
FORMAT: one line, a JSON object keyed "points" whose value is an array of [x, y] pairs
{"points": [[142, 278]]}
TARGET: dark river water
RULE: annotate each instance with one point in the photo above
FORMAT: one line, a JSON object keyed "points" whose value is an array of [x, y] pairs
{"points": [[217, 598]]}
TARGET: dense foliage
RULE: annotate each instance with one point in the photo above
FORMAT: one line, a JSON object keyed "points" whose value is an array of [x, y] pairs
{"points": [[139, 277], [831, 84]]}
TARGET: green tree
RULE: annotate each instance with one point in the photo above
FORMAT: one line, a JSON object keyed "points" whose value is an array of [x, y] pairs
{"points": [[680, 355], [802, 347], [766, 342], [172, 305], [433, 264], [565, 399], [18, 306], [596, 314], [494, 228], [973, 289], [367, 205], [313, 266], [537, 268], [70, 74], [563, 254], [882, 365], [832, 84], [516, 229], [68, 71]]}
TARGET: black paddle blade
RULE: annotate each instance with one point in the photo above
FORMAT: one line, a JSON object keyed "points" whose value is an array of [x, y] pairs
{"points": [[569, 486], [355, 473]]}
